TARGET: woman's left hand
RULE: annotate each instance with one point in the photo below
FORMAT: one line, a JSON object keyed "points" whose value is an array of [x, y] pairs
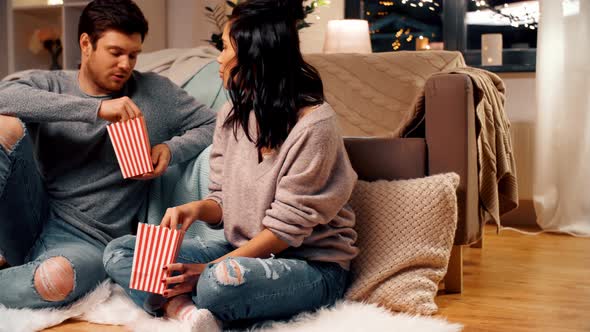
{"points": [[186, 281]]}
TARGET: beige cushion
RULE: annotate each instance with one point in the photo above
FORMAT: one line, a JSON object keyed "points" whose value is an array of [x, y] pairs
{"points": [[405, 235]]}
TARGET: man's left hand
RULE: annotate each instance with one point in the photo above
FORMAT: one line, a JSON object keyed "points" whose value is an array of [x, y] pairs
{"points": [[161, 158]]}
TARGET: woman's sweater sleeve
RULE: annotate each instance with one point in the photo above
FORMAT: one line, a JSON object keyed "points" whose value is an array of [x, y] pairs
{"points": [[315, 183]]}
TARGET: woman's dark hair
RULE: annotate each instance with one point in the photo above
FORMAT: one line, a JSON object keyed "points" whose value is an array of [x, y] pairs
{"points": [[270, 77], [102, 15]]}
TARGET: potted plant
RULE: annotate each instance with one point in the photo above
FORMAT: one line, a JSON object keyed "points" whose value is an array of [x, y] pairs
{"points": [[48, 39], [218, 16]]}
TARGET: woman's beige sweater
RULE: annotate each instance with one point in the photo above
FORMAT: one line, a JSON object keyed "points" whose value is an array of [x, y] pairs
{"points": [[299, 192]]}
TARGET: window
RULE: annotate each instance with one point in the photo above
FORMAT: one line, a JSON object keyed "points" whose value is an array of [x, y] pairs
{"points": [[514, 22], [404, 24], [454, 25]]}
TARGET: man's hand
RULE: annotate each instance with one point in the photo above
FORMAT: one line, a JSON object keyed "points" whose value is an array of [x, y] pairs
{"points": [[161, 159], [186, 281], [120, 109]]}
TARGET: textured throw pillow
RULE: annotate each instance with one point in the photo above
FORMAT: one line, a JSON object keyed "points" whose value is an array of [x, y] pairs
{"points": [[405, 235]]}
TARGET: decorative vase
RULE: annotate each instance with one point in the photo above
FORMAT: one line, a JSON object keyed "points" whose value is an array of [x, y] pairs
{"points": [[54, 48]]}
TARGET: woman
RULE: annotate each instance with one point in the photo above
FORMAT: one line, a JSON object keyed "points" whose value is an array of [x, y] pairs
{"points": [[280, 180]]}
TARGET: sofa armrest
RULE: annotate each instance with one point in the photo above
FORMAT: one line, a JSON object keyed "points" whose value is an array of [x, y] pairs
{"points": [[452, 147]]}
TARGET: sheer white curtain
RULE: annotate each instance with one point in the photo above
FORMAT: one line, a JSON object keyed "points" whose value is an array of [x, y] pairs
{"points": [[561, 187]]}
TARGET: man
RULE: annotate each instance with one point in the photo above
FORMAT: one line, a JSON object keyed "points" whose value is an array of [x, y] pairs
{"points": [[54, 226]]}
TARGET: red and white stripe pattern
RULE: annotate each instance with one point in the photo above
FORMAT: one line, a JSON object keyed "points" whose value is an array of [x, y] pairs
{"points": [[132, 147], [155, 247]]}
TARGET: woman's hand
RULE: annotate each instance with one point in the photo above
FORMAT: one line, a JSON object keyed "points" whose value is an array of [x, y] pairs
{"points": [[183, 215], [186, 281]]}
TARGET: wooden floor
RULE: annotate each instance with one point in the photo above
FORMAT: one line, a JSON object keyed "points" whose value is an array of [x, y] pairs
{"points": [[515, 283], [523, 283]]}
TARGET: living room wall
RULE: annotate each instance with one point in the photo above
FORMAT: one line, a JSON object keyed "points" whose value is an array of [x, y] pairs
{"points": [[187, 23], [188, 26]]}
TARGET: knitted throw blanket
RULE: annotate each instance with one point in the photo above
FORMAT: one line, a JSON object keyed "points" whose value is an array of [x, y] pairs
{"points": [[498, 188]]}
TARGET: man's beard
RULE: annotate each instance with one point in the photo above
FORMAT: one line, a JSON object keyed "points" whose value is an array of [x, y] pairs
{"points": [[96, 80]]}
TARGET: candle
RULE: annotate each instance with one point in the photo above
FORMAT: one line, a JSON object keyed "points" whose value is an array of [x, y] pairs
{"points": [[491, 49], [422, 43]]}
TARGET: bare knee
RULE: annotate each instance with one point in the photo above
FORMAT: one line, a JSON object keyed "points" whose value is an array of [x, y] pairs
{"points": [[54, 279], [11, 131], [229, 272]]}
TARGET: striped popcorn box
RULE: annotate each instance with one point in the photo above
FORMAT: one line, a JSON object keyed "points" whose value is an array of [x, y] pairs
{"points": [[132, 147], [155, 247]]}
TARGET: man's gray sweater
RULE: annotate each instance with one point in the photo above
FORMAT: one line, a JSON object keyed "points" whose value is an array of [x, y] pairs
{"points": [[74, 152]]}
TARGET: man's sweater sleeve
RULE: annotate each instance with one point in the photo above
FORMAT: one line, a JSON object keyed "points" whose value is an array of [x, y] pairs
{"points": [[36, 98], [194, 123], [317, 183]]}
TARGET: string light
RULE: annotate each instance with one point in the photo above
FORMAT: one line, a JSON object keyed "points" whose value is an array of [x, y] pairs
{"points": [[397, 43], [526, 16], [418, 3], [404, 35], [517, 16]]}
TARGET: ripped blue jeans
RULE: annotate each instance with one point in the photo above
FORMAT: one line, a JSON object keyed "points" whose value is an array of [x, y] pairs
{"points": [[31, 234], [238, 289]]}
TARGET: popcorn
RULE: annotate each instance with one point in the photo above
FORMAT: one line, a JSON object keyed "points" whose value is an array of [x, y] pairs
{"points": [[132, 147], [155, 247]]}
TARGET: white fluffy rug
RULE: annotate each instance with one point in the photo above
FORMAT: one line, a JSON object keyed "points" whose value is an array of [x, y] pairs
{"points": [[109, 304]]}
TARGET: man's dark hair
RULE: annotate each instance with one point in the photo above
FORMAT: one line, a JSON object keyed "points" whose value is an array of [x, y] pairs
{"points": [[102, 15]]}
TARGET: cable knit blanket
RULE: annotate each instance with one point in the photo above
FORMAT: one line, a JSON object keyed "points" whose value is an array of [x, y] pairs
{"points": [[498, 188], [374, 94]]}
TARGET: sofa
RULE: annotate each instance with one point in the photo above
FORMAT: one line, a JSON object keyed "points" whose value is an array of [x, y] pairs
{"points": [[374, 97]]}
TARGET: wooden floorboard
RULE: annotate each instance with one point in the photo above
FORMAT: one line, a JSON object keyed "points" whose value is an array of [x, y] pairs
{"points": [[523, 283], [515, 283]]}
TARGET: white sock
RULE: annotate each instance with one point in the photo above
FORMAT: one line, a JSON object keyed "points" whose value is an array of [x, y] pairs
{"points": [[204, 321], [182, 308]]}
